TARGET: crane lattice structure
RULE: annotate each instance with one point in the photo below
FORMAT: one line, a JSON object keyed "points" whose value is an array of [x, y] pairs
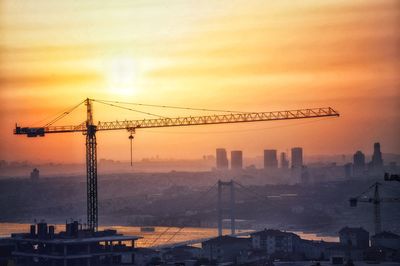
{"points": [[89, 128], [376, 200]]}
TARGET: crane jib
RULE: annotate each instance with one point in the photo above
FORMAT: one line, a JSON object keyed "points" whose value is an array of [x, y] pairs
{"points": [[180, 121]]}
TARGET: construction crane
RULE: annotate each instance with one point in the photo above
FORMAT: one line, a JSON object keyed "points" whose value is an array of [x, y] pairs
{"points": [[89, 128], [376, 200]]}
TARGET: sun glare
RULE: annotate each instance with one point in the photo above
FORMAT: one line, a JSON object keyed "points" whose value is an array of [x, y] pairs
{"points": [[122, 76]]}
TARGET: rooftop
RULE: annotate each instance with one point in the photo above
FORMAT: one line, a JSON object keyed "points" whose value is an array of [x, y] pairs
{"points": [[346, 230], [273, 232], [25, 238], [226, 240], [73, 234], [386, 234]]}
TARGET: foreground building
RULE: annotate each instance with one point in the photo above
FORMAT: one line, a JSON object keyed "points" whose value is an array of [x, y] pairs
{"points": [[275, 242], [225, 248], [354, 237], [74, 246], [386, 240]]}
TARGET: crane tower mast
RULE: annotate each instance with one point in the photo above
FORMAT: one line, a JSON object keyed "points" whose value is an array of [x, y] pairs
{"points": [[91, 169]]}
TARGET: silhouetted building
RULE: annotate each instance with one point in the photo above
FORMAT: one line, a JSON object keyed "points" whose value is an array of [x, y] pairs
{"points": [[354, 237], [284, 161], [348, 170], [178, 254], [274, 241], [305, 177], [222, 159], [225, 248], [377, 161], [297, 157], [270, 159], [386, 240], [359, 159], [236, 160], [358, 163], [35, 174], [6, 250], [393, 167]]}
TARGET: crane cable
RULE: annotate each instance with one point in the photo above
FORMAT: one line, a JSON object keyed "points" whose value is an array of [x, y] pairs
{"points": [[131, 137], [383, 187], [251, 191], [65, 113], [126, 108], [57, 116], [181, 228], [157, 238], [176, 233], [173, 107], [366, 191]]}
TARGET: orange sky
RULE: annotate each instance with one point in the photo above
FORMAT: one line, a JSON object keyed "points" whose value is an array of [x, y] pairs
{"points": [[238, 55]]}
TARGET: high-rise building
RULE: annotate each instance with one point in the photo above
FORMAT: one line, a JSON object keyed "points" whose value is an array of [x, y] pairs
{"points": [[270, 159], [35, 174], [358, 163], [284, 161], [348, 167], [377, 161], [236, 160], [297, 157], [222, 159], [305, 177], [393, 167]]}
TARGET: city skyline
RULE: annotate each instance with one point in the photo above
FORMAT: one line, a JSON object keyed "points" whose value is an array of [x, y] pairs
{"points": [[358, 161], [210, 155]]}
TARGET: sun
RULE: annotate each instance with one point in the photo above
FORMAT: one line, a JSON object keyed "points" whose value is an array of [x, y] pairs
{"points": [[122, 76]]}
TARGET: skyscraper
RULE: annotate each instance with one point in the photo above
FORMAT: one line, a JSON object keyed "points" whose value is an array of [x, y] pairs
{"points": [[35, 174], [358, 163], [297, 157], [270, 159], [305, 177], [348, 167], [236, 160], [377, 161], [222, 159], [284, 161]]}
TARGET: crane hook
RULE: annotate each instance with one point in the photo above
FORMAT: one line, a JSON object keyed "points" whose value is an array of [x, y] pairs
{"points": [[131, 137]]}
